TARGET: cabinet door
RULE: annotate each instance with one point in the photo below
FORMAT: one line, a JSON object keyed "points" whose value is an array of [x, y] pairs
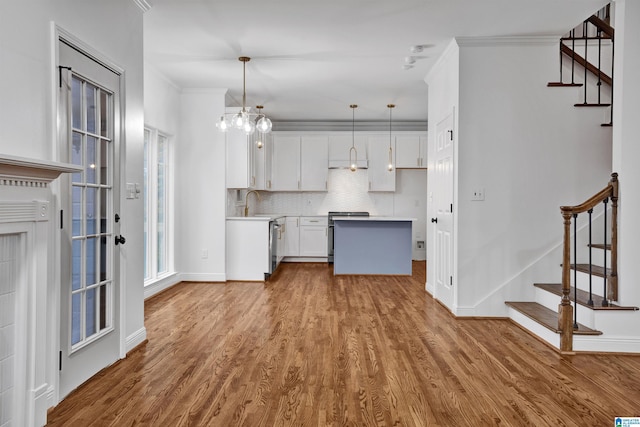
{"points": [[237, 159], [313, 241], [423, 151], [258, 160], [285, 163], [408, 151], [292, 236], [380, 177], [314, 163]]}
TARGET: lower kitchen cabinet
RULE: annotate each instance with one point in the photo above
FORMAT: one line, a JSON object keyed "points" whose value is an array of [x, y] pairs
{"points": [[313, 236], [292, 236]]}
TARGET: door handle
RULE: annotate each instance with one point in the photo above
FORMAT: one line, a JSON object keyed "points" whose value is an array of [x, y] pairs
{"points": [[434, 220], [120, 240]]}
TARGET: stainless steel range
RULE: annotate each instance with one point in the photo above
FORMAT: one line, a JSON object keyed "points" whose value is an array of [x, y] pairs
{"points": [[331, 227]]}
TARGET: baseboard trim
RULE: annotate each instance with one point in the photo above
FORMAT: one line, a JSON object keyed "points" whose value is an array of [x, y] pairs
{"points": [[202, 277], [161, 285], [135, 339]]}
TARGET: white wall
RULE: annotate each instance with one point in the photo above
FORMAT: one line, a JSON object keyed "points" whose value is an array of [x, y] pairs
{"points": [[531, 151], [200, 187], [28, 83], [528, 148], [626, 141]]}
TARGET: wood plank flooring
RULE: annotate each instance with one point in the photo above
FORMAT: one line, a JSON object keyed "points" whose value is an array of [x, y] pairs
{"points": [[311, 349]]}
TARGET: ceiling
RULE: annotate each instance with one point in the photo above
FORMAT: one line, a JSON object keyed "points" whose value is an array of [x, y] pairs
{"points": [[311, 59]]}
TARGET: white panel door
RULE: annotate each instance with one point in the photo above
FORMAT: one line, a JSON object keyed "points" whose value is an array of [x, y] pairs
{"points": [[443, 205], [90, 335]]}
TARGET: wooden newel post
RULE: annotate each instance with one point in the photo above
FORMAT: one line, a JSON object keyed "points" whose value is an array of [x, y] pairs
{"points": [[612, 294], [565, 310]]}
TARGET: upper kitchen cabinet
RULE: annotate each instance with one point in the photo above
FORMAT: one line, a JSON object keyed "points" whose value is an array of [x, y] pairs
{"points": [[299, 163], [285, 163], [380, 177], [314, 163], [411, 151], [340, 146], [237, 159], [260, 146]]}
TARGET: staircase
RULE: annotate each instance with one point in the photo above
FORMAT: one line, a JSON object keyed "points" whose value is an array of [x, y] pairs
{"points": [[586, 62], [589, 287]]}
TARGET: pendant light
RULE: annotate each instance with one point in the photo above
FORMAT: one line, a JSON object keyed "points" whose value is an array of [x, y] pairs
{"points": [[260, 126], [353, 153], [390, 167], [243, 119]]}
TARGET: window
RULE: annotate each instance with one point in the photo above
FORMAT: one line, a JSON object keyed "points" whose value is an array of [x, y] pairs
{"points": [[156, 213]]}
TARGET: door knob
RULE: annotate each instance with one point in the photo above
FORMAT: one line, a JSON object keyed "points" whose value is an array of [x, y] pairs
{"points": [[120, 240], [434, 220]]}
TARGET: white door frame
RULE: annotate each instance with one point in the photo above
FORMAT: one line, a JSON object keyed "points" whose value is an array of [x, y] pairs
{"points": [[59, 34]]}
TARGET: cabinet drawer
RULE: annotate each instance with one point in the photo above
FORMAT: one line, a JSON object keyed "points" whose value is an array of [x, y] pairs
{"points": [[313, 220]]}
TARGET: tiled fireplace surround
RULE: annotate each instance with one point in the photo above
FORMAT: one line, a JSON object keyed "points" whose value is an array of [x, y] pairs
{"points": [[26, 285]]}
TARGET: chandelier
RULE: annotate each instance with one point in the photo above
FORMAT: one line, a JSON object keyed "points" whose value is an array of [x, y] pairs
{"points": [[244, 120]]}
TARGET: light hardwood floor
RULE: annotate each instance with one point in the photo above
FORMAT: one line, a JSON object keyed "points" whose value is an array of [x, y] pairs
{"points": [[311, 349]]}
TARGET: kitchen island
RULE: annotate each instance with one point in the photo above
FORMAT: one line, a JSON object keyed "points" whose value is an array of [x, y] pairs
{"points": [[372, 245]]}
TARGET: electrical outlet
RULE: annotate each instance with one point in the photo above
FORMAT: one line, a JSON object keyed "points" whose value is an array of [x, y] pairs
{"points": [[420, 244]]}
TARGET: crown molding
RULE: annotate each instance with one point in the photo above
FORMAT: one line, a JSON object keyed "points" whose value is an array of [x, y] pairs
{"points": [[507, 40]]}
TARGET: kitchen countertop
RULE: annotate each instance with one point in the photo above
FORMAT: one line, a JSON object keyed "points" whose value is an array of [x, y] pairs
{"points": [[250, 218], [372, 218]]}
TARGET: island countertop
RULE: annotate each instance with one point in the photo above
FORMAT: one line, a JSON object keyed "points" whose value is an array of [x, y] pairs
{"points": [[372, 218]]}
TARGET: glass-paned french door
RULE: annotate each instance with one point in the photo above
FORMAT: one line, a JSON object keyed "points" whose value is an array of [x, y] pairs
{"points": [[91, 195], [156, 218]]}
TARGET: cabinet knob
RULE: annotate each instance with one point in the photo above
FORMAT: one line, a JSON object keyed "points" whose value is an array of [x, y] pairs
{"points": [[434, 220]]}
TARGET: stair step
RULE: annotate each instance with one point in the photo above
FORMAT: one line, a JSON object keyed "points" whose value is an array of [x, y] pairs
{"points": [[547, 318], [585, 104], [583, 297], [560, 84], [601, 246], [595, 269]]}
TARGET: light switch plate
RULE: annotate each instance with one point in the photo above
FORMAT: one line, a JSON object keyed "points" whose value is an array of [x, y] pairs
{"points": [[477, 194]]}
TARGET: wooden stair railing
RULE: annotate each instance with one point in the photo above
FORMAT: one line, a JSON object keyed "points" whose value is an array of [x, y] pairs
{"points": [[594, 30], [566, 312]]}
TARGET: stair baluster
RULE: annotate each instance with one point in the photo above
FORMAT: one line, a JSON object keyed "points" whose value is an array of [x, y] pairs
{"points": [[567, 316]]}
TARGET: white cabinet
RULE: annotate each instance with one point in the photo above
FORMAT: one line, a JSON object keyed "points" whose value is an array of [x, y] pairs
{"points": [[259, 158], [314, 163], [313, 236], [292, 236], [380, 177], [299, 163], [411, 151], [247, 249], [237, 159], [285, 163]]}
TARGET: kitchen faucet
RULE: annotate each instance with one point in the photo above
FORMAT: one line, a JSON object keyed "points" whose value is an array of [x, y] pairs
{"points": [[246, 201]]}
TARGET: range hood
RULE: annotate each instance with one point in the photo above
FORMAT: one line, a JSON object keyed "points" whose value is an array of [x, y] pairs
{"points": [[345, 164]]}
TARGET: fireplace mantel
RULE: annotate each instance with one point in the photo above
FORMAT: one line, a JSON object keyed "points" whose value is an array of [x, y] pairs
{"points": [[23, 170]]}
